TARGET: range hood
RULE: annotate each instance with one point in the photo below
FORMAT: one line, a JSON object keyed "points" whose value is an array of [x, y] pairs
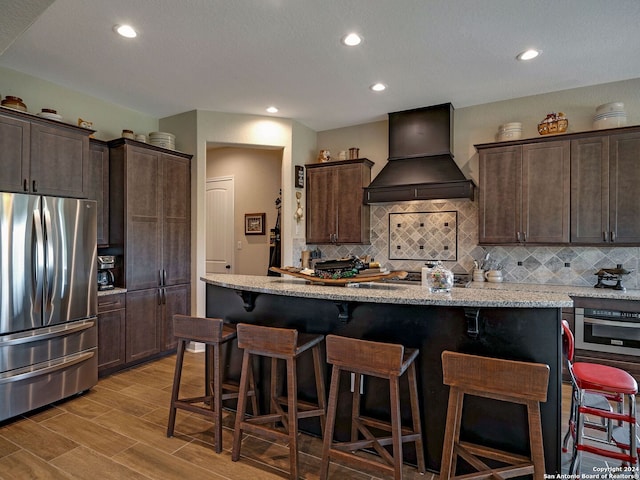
{"points": [[420, 164]]}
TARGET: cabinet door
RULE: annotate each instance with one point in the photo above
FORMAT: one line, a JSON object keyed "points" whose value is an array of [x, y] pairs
{"points": [[111, 339], [624, 178], [176, 300], [142, 325], [321, 214], [545, 192], [14, 156], [143, 219], [176, 220], [98, 187], [352, 216], [59, 161], [500, 194], [590, 190]]}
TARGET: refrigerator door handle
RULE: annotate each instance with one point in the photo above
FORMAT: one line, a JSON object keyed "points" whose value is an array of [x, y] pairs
{"points": [[51, 332], [49, 367], [49, 267], [38, 264]]}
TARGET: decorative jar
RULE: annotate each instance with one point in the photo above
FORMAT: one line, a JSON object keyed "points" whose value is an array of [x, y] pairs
{"points": [[438, 278]]}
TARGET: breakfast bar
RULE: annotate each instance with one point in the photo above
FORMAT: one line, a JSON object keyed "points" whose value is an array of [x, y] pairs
{"points": [[507, 324]]}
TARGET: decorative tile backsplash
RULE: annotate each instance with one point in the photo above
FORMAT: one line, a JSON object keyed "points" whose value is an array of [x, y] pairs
{"points": [[562, 265], [423, 236]]}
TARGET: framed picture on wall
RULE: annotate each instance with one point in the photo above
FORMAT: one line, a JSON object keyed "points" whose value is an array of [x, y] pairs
{"points": [[254, 223], [299, 179]]}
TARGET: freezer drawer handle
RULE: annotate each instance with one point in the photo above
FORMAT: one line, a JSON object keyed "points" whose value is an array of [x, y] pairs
{"points": [[611, 323], [51, 332], [51, 367]]}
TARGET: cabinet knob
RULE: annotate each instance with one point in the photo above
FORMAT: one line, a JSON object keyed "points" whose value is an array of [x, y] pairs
{"points": [[612, 235], [35, 187], [604, 236], [228, 267]]}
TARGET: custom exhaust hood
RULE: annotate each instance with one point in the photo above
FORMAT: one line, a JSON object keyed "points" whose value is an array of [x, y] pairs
{"points": [[420, 164]]}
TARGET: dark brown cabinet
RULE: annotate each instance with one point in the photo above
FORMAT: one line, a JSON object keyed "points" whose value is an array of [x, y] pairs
{"points": [[605, 172], [98, 186], [43, 156], [150, 218], [335, 212], [524, 193], [111, 331], [142, 326]]}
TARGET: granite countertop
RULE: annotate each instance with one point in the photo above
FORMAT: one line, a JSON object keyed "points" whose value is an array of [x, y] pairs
{"points": [[114, 291], [572, 291], [380, 292]]}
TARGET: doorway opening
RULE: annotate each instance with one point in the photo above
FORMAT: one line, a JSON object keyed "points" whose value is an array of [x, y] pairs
{"points": [[257, 181]]}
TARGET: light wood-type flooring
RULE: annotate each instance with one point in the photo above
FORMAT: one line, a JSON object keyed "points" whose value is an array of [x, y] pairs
{"points": [[117, 430]]}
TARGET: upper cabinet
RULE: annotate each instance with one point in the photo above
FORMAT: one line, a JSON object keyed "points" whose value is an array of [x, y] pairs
{"points": [[43, 156], [576, 188], [335, 209], [524, 194], [151, 213], [605, 172], [98, 186]]}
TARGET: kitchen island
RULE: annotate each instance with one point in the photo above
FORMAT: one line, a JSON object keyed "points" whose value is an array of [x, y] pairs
{"points": [[507, 324]]}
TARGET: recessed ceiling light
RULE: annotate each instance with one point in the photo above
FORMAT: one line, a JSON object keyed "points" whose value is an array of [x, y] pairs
{"points": [[528, 54], [125, 30], [351, 40], [378, 87], [272, 109]]}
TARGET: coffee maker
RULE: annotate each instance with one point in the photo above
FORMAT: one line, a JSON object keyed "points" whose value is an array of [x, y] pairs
{"points": [[105, 275]]}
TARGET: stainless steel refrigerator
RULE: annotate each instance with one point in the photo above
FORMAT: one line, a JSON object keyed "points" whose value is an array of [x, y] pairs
{"points": [[48, 300]]}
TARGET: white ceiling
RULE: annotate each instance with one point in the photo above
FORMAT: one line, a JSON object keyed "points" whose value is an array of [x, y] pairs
{"points": [[244, 55]]}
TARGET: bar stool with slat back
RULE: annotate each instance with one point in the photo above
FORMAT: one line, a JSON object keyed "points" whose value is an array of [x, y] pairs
{"points": [[620, 441], [278, 344], [506, 380], [213, 332], [383, 360]]}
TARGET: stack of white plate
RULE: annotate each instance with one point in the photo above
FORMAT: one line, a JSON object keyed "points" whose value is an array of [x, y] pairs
{"points": [[510, 131], [163, 139], [51, 115], [610, 115]]}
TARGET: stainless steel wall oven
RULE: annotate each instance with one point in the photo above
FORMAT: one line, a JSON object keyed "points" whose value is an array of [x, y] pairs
{"points": [[608, 330]]}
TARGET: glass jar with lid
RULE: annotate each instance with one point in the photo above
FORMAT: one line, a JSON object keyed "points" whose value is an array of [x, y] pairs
{"points": [[438, 278]]}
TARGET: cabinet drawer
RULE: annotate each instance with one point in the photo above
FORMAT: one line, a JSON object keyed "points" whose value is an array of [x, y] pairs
{"points": [[107, 303]]}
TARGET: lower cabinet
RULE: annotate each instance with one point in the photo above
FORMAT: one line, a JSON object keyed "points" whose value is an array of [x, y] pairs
{"points": [[149, 320], [177, 300], [143, 329], [111, 332]]}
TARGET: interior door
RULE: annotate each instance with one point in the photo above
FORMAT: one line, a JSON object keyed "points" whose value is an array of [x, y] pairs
{"points": [[220, 224]]}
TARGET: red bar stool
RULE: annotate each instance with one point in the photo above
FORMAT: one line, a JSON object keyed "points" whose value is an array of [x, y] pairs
{"points": [[506, 380], [382, 360], [213, 332], [616, 385], [278, 344], [600, 401]]}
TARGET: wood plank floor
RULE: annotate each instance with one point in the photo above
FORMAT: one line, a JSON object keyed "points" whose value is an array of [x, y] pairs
{"points": [[117, 430]]}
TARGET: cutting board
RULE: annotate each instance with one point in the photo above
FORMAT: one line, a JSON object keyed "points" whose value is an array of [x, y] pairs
{"points": [[341, 281]]}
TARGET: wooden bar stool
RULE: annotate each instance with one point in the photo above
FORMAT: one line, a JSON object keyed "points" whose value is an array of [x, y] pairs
{"points": [[383, 360], [213, 332], [506, 380], [278, 344]]}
